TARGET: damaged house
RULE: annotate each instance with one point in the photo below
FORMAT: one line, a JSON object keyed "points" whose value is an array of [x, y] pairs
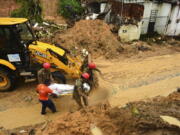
{"points": [[161, 16], [119, 13], [136, 17]]}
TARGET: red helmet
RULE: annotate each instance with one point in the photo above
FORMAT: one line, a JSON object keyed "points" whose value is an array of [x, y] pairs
{"points": [[85, 75], [46, 65], [92, 65]]}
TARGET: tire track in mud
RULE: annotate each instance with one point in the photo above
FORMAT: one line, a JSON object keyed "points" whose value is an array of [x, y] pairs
{"points": [[154, 80], [141, 82]]}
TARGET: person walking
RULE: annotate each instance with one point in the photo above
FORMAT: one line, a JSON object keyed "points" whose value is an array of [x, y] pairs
{"points": [[44, 92]]}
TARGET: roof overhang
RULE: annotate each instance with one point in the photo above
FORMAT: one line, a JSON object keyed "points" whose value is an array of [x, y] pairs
{"points": [[90, 1]]}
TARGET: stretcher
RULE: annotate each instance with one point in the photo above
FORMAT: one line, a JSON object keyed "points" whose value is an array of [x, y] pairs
{"points": [[66, 89], [62, 89]]}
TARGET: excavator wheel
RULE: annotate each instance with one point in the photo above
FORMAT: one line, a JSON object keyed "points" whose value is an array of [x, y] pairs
{"points": [[6, 80]]}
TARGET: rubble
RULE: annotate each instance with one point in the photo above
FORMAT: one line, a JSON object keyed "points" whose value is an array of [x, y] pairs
{"points": [[48, 29], [143, 117], [127, 10]]}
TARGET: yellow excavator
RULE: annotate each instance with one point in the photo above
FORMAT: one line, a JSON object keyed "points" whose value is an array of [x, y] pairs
{"points": [[21, 55]]}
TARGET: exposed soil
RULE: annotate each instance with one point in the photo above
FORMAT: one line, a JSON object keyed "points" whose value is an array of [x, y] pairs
{"points": [[135, 118], [97, 38], [135, 71], [7, 6], [93, 35], [50, 11], [137, 79]]}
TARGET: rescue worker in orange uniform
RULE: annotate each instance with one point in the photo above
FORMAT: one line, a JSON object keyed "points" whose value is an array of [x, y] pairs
{"points": [[44, 92]]}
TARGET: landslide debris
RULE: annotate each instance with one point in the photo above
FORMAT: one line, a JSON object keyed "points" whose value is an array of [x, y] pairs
{"points": [[93, 35], [135, 118]]}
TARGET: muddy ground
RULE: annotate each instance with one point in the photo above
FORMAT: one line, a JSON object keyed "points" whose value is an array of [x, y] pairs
{"points": [[135, 118], [133, 74], [135, 71], [124, 80]]}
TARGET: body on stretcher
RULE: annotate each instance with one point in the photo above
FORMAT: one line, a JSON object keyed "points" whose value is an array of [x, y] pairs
{"points": [[66, 89], [62, 89]]}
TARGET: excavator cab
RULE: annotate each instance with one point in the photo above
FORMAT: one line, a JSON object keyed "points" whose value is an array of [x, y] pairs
{"points": [[14, 40], [21, 55], [15, 36]]}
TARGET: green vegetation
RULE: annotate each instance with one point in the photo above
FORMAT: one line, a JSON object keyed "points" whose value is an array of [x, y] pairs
{"points": [[30, 9], [70, 8]]}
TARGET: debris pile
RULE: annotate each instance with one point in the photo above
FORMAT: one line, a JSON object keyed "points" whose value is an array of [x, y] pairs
{"points": [[143, 117], [48, 29], [127, 10], [93, 35], [78, 123]]}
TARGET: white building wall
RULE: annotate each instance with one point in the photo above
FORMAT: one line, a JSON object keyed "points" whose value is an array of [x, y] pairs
{"points": [[174, 27], [177, 33], [103, 7], [146, 16], [164, 11], [148, 7]]}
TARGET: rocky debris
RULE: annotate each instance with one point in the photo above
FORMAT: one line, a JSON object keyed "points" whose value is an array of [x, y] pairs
{"points": [[48, 29], [127, 10], [78, 123], [93, 35], [171, 120], [135, 118], [144, 47], [148, 120]]}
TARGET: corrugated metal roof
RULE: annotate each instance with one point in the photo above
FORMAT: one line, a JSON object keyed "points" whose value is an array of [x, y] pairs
{"points": [[169, 1], [90, 1]]}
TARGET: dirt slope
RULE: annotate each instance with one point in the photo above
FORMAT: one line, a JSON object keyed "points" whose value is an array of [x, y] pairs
{"points": [[50, 11], [93, 35], [7, 6], [134, 119]]}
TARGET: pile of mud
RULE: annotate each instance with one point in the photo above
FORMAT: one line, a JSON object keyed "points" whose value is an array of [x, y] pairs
{"points": [[93, 35], [133, 119], [77, 123]]}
